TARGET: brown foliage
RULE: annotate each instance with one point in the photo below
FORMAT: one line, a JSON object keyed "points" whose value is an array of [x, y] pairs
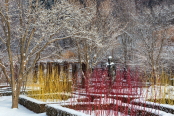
{"points": [[68, 54]]}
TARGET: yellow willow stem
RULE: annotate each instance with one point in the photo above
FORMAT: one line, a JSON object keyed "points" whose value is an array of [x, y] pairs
{"points": [[50, 85], [163, 91]]}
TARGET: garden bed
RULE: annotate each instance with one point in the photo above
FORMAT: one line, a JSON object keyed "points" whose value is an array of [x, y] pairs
{"points": [[98, 107]]}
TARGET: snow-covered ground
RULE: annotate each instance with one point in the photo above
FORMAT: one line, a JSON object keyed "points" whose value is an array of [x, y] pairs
{"points": [[5, 109]]}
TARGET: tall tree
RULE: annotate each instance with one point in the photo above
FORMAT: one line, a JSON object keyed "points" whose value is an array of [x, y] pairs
{"points": [[150, 28], [27, 28]]}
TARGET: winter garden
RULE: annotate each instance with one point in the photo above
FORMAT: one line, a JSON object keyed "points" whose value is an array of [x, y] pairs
{"points": [[88, 57]]}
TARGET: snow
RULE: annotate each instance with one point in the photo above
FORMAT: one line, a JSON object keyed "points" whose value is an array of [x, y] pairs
{"points": [[31, 99], [4, 84], [5, 103], [58, 60], [5, 109], [5, 89], [107, 101]]}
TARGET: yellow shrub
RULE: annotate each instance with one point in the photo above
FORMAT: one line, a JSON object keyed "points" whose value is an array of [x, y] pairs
{"points": [[50, 86]]}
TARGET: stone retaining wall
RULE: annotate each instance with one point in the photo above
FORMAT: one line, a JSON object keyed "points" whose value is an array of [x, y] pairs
{"points": [[32, 104], [57, 110], [148, 104]]}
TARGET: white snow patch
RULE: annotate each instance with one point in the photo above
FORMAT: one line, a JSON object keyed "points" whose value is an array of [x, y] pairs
{"points": [[107, 101], [31, 99], [5, 109]]}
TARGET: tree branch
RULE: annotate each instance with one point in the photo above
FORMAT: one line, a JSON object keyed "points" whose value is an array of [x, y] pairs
{"points": [[5, 72], [29, 40], [2, 40]]}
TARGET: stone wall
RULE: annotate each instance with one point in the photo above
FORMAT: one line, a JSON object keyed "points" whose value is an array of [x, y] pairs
{"points": [[32, 105], [57, 110]]}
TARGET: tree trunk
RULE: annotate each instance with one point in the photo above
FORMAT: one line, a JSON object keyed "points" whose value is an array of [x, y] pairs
{"points": [[154, 75], [16, 92], [14, 99]]}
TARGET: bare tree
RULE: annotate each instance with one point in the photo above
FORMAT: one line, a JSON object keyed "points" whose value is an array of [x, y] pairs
{"points": [[150, 30], [27, 28]]}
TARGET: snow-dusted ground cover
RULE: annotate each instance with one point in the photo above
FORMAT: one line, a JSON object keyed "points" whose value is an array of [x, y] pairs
{"points": [[5, 109]]}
